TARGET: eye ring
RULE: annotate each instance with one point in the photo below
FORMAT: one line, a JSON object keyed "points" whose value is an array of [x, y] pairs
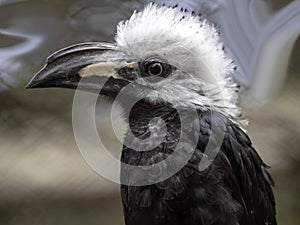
{"points": [[155, 69]]}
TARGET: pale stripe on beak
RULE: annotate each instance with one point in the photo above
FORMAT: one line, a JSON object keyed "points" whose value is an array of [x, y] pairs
{"points": [[107, 69]]}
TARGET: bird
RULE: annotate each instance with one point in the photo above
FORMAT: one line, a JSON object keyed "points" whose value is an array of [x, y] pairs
{"points": [[173, 63]]}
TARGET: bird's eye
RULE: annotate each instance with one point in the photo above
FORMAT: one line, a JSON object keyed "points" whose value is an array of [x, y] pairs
{"points": [[155, 69]]}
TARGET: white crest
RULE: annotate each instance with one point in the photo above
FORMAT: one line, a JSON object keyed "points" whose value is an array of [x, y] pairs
{"points": [[190, 44]]}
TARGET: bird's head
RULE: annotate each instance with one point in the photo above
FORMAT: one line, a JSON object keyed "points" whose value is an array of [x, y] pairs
{"points": [[171, 55]]}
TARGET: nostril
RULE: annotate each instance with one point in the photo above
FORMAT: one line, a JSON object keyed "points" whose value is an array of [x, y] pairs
{"points": [[127, 73]]}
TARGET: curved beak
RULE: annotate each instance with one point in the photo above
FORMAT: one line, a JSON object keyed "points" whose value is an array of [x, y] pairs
{"points": [[87, 66]]}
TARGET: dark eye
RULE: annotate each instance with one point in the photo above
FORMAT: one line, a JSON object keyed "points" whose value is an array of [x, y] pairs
{"points": [[155, 69]]}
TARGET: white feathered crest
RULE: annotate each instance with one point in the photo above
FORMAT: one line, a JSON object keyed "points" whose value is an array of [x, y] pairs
{"points": [[193, 46], [183, 38]]}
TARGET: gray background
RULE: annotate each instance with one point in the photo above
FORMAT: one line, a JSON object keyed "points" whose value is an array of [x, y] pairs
{"points": [[43, 178]]}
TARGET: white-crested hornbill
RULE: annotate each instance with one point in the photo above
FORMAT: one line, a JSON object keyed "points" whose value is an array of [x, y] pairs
{"points": [[174, 61]]}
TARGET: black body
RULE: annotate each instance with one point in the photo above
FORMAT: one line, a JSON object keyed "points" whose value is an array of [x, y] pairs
{"points": [[234, 190]]}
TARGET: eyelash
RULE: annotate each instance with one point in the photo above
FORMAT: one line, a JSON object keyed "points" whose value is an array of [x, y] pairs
{"points": [[166, 68]]}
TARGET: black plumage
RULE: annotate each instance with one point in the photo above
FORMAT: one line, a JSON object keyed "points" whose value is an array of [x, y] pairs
{"points": [[234, 189]]}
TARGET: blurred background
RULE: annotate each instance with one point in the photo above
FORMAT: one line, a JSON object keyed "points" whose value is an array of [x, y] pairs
{"points": [[43, 178]]}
